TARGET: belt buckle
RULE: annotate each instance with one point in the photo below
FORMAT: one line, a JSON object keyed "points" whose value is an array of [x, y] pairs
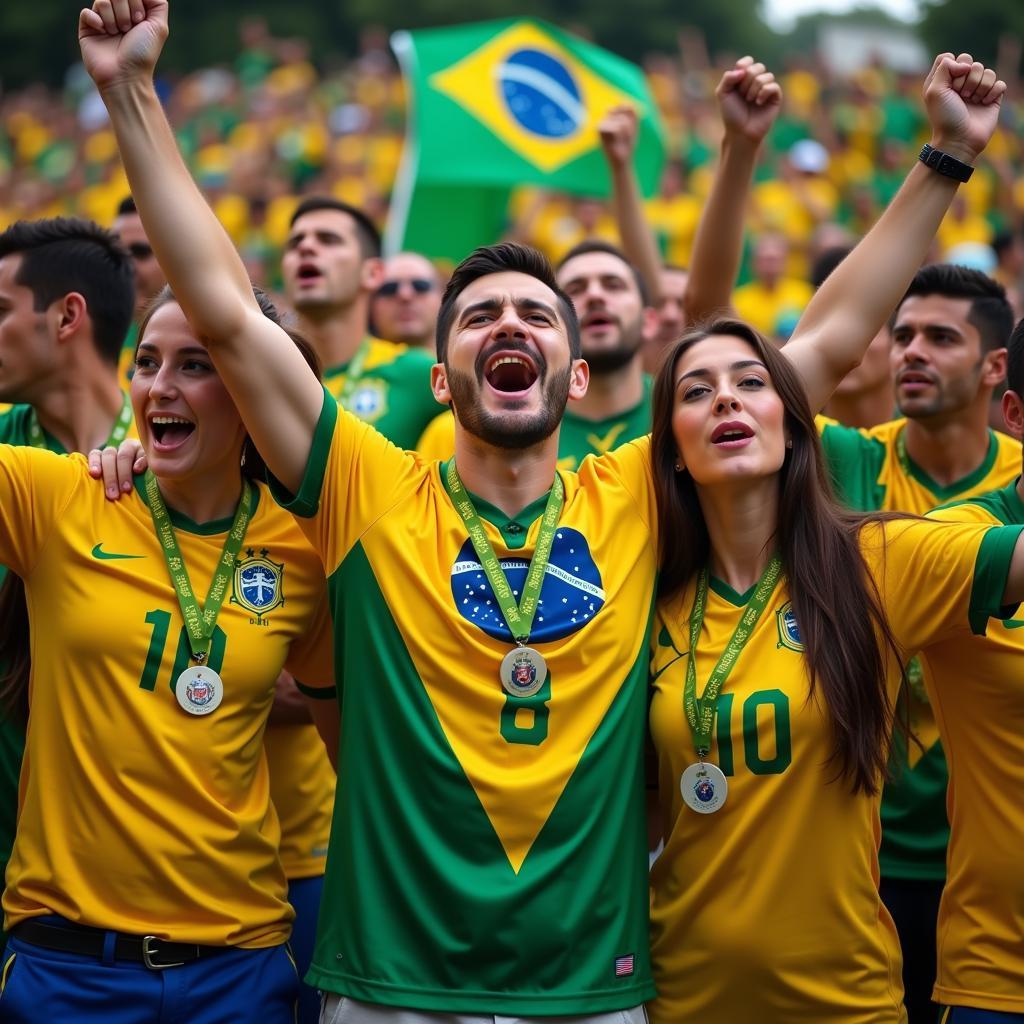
{"points": [[148, 952]]}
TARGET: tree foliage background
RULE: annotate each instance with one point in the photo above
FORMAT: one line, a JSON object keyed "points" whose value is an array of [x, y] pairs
{"points": [[39, 40]]}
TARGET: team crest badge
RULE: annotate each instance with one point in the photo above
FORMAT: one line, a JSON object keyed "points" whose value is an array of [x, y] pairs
{"points": [[258, 584], [789, 630], [369, 401]]}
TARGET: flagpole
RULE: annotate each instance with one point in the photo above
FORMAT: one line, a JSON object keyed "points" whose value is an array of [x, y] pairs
{"points": [[405, 181]]}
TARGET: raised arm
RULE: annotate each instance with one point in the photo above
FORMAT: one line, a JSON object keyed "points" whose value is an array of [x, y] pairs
{"points": [[618, 130], [261, 368], [962, 99], [749, 99]]}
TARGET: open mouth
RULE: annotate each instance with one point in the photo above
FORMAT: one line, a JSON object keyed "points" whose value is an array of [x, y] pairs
{"points": [[170, 431], [510, 373], [729, 434], [597, 320], [308, 272]]}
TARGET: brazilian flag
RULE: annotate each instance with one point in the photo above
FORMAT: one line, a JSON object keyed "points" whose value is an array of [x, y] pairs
{"points": [[497, 104]]}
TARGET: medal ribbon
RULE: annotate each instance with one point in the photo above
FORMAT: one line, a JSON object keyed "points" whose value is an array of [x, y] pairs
{"points": [[199, 625], [701, 711], [353, 373], [119, 432], [518, 617]]}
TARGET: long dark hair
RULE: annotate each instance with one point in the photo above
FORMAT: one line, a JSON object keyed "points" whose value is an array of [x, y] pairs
{"points": [[15, 654], [835, 599]]}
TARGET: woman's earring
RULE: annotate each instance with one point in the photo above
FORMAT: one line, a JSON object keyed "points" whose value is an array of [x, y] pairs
{"points": [[679, 468], [789, 444]]}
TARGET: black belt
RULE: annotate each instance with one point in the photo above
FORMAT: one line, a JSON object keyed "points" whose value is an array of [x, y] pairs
{"points": [[155, 953]]}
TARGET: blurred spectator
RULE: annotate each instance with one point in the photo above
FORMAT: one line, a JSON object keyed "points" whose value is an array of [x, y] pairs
{"points": [[404, 307], [773, 301]]}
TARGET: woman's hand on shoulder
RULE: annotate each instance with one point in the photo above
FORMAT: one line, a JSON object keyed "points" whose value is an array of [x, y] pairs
{"points": [[117, 466]]}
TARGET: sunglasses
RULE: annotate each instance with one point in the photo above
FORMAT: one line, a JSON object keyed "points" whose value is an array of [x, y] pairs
{"points": [[140, 250], [420, 285]]}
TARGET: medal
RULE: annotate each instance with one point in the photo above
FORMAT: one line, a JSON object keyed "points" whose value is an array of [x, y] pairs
{"points": [[523, 671], [703, 785], [199, 690]]}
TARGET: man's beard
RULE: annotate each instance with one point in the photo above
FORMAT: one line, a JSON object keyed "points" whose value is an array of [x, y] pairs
{"points": [[622, 353], [507, 430]]}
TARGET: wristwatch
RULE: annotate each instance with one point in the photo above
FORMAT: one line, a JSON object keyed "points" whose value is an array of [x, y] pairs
{"points": [[943, 163]]}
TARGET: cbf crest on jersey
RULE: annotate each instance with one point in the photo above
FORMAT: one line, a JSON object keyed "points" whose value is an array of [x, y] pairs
{"points": [[369, 400], [258, 584], [789, 629], [570, 596]]}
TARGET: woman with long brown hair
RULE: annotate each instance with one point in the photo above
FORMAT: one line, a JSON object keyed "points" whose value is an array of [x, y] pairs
{"points": [[782, 627]]}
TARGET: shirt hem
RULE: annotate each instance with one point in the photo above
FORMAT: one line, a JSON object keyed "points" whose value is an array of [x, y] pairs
{"points": [[978, 1000], [481, 1002]]}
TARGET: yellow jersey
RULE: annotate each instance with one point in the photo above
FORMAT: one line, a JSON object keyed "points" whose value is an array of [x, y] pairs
{"points": [[773, 312], [976, 688], [871, 471], [493, 846], [134, 815], [768, 909]]}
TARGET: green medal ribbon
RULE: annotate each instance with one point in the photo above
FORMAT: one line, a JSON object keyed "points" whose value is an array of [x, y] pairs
{"points": [[700, 711], [518, 617], [199, 625], [353, 374], [119, 432]]}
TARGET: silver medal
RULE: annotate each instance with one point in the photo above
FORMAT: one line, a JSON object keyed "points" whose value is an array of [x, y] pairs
{"points": [[704, 787], [523, 672], [199, 690]]}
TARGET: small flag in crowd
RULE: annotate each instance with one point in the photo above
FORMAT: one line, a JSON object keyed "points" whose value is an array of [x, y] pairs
{"points": [[498, 104]]}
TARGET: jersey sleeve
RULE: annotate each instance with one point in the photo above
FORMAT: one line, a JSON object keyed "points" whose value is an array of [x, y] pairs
{"points": [[854, 461], [939, 579], [353, 476], [628, 466], [311, 658], [35, 488]]}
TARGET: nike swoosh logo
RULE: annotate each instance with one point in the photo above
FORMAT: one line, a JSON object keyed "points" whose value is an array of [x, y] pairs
{"points": [[1014, 624], [103, 556]]}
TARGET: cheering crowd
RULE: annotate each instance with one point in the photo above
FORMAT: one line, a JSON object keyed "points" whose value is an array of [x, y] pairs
{"points": [[671, 673]]}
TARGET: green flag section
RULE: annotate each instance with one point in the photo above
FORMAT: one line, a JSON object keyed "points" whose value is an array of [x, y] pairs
{"points": [[498, 104]]}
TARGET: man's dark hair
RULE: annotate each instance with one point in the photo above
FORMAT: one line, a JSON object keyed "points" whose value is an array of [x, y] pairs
{"points": [[366, 230], [597, 245], [990, 312], [827, 261], [68, 254], [505, 257], [1015, 360], [126, 206]]}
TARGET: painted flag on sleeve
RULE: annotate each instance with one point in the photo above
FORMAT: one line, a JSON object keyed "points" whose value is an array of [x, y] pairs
{"points": [[497, 104]]}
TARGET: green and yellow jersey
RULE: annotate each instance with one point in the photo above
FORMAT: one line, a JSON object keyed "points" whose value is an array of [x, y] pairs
{"points": [[14, 430], [134, 815], [579, 437], [783, 879], [872, 471], [302, 789], [976, 688], [393, 392], [488, 853]]}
